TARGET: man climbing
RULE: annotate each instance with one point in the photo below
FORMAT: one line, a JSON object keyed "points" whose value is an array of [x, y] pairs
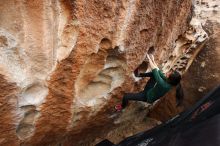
{"points": [[157, 86]]}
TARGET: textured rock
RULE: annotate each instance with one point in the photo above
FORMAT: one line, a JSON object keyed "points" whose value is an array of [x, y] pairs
{"points": [[64, 64], [203, 75]]}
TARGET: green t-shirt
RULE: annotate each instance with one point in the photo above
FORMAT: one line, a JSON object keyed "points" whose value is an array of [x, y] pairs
{"points": [[161, 87]]}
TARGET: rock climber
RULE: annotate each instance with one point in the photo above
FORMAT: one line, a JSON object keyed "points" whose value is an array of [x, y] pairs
{"points": [[157, 86]]}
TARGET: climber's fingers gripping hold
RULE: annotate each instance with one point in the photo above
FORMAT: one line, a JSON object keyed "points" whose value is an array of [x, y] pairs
{"points": [[152, 57], [151, 63]]}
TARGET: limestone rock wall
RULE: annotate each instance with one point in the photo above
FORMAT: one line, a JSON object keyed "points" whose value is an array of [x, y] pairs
{"points": [[65, 63], [203, 69]]}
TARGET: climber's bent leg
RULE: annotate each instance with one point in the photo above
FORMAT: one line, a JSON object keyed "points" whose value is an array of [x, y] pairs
{"points": [[150, 84], [141, 96]]}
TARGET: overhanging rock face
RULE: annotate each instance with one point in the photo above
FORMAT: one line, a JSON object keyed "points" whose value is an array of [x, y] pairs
{"points": [[203, 74], [63, 63]]}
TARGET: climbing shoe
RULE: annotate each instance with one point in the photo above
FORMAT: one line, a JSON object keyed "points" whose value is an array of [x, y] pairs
{"points": [[118, 107]]}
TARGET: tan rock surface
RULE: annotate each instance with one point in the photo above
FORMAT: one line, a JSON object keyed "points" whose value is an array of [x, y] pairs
{"points": [[64, 64]]}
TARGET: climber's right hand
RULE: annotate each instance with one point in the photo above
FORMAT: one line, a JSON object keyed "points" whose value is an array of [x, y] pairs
{"points": [[151, 63]]}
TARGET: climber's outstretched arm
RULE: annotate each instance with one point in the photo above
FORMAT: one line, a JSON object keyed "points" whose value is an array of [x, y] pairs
{"points": [[137, 74], [147, 74], [152, 63], [160, 72]]}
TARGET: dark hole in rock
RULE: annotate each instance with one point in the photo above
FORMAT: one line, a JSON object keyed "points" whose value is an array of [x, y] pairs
{"points": [[105, 43], [180, 69], [116, 48], [184, 58], [141, 68], [143, 31], [171, 57], [215, 11], [184, 63], [151, 50]]}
